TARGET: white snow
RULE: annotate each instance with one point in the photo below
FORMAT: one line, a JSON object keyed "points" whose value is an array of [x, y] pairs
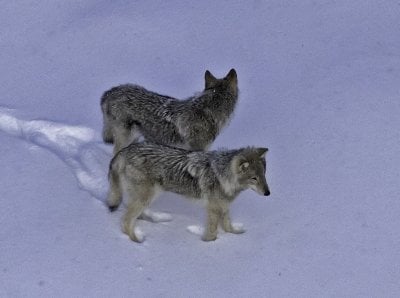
{"points": [[238, 227], [74, 145], [156, 216], [196, 230], [319, 86], [199, 230]]}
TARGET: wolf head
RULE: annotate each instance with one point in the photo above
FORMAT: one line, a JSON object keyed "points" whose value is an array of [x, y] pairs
{"points": [[249, 167], [229, 82]]}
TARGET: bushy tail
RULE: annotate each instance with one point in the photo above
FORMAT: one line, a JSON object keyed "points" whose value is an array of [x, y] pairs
{"points": [[114, 176], [107, 131]]}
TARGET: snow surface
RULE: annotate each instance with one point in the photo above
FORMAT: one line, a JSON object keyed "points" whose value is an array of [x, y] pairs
{"points": [[320, 86]]}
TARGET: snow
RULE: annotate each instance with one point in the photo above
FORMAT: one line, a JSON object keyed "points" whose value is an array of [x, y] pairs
{"points": [[319, 86], [75, 145], [238, 227], [196, 230], [156, 216]]}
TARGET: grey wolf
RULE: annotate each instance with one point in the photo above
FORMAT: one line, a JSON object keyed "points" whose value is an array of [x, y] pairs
{"points": [[217, 177], [131, 111]]}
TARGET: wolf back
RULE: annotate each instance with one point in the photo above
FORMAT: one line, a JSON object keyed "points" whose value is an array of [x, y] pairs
{"points": [[130, 111]]}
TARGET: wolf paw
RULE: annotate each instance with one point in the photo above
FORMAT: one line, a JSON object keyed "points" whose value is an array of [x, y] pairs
{"points": [[209, 237], [137, 235], [134, 233], [113, 208]]}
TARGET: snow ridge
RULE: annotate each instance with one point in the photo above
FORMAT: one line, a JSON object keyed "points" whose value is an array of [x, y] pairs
{"points": [[77, 146]]}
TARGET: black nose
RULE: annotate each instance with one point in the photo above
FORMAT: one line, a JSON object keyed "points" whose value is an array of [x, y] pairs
{"points": [[267, 193]]}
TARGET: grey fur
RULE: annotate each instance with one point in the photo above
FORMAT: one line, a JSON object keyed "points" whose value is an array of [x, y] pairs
{"points": [[130, 111], [214, 176]]}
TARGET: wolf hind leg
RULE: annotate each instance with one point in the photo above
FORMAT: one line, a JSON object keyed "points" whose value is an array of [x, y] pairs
{"points": [[123, 136], [134, 134], [140, 197], [114, 197]]}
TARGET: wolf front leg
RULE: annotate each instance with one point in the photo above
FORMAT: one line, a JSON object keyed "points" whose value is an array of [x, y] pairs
{"points": [[213, 214], [226, 221]]}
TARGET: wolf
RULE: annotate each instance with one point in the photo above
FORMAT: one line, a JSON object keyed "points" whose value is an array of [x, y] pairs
{"points": [[216, 177], [130, 111]]}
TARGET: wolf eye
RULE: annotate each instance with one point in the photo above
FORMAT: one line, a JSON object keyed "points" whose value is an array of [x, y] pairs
{"points": [[254, 179]]}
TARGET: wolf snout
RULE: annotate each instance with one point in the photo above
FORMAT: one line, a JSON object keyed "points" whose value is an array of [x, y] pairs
{"points": [[267, 193]]}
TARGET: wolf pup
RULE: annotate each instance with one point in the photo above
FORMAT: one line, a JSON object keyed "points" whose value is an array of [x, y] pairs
{"points": [[214, 176], [130, 111]]}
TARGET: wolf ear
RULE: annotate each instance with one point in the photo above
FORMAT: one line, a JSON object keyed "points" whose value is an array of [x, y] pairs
{"points": [[244, 166], [240, 163], [261, 152], [209, 78], [231, 75]]}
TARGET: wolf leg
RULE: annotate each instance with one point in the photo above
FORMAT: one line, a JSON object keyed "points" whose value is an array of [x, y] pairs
{"points": [[227, 224], [225, 220], [140, 196], [115, 193], [121, 137], [213, 214], [134, 134]]}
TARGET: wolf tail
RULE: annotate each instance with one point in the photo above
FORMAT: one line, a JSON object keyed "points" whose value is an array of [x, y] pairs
{"points": [[114, 177], [107, 131]]}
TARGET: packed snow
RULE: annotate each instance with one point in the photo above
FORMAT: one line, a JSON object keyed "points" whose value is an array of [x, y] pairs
{"points": [[319, 86]]}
